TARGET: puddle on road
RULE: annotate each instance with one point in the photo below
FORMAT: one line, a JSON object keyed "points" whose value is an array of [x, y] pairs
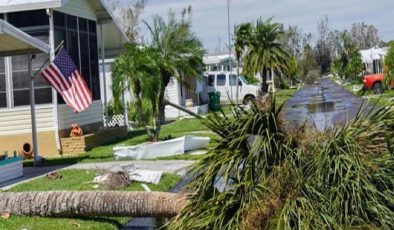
{"points": [[321, 107]]}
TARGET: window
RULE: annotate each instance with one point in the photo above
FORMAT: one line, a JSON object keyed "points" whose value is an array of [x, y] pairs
{"points": [[211, 80], [221, 80], [21, 81], [233, 80], [39, 29], [32, 18], [3, 93], [80, 40]]}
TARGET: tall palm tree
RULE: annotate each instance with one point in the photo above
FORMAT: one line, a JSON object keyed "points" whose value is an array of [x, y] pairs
{"points": [[243, 33], [136, 70], [179, 52], [263, 51]]}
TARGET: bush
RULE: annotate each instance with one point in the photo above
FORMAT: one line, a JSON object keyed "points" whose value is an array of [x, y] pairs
{"points": [[146, 113]]}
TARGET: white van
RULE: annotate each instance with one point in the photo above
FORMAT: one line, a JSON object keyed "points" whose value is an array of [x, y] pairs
{"points": [[225, 83]]}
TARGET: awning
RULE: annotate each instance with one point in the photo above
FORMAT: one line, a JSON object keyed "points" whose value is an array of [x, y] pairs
{"points": [[13, 41], [16, 42]]}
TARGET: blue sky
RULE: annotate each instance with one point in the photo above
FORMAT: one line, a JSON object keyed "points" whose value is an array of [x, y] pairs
{"points": [[210, 16]]}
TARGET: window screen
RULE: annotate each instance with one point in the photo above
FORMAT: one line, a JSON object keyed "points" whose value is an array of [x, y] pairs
{"points": [[21, 82], [82, 46], [25, 19], [221, 80]]}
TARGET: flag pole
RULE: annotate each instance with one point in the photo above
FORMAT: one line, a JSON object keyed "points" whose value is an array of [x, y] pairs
{"points": [[32, 99], [59, 47]]}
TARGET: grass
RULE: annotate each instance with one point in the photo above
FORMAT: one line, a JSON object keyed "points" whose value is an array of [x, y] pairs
{"points": [[75, 180], [382, 99], [284, 95], [104, 153], [173, 129]]}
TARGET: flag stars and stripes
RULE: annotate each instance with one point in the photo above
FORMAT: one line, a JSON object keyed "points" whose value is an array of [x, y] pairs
{"points": [[63, 75]]}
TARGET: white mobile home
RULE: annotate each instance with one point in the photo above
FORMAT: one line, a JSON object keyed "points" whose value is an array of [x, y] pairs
{"points": [[88, 30]]}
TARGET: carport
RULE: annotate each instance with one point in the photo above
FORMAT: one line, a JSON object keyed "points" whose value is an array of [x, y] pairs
{"points": [[16, 42]]}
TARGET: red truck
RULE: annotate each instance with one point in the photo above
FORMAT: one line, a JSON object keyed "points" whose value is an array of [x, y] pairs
{"points": [[375, 82]]}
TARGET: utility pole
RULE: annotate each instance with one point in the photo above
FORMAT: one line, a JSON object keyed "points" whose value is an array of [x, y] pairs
{"points": [[229, 48]]}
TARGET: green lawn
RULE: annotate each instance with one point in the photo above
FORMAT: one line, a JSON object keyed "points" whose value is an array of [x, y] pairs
{"points": [[173, 129], [75, 180], [283, 95], [383, 99], [104, 153]]}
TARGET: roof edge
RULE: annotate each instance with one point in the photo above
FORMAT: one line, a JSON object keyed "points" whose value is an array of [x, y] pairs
{"points": [[7, 28], [114, 20], [31, 6]]}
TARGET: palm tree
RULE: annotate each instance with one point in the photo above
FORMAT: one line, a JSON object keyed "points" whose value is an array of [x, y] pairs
{"points": [[136, 70], [242, 34], [179, 52], [91, 203], [263, 51]]}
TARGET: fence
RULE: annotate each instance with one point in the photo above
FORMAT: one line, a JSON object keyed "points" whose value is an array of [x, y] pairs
{"points": [[115, 120]]}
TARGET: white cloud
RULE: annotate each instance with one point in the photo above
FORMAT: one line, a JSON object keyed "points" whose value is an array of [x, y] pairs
{"points": [[210, 16]]}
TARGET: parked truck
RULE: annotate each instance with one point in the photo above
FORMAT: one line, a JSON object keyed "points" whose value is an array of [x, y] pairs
{"points": [[376, 83], [226, 84]]}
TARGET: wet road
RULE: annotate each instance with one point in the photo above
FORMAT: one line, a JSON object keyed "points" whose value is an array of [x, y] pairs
{"points": [[322, 106]]}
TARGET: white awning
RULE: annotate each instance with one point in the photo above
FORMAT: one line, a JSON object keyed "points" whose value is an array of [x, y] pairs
{"points": [[15, 42]]}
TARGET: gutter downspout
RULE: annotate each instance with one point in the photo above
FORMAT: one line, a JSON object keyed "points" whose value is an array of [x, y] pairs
{"points": [[54, 93]]}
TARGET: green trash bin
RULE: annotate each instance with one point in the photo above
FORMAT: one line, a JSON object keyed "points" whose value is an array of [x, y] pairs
{"points": [[214, 101]]}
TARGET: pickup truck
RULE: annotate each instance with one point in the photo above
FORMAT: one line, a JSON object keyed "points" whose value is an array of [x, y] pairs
{"points": [[375, 82]]}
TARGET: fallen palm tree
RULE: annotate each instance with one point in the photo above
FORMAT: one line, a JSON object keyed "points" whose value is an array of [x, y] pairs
{"points": [[91, 203], [259, 177]]}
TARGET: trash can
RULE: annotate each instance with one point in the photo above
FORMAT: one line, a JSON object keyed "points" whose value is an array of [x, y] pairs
{"points": [[214, 101]]}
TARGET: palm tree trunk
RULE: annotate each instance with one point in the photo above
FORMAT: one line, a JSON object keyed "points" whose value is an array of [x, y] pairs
{"points": [[92, 203], [162, 104], [264, 85]]}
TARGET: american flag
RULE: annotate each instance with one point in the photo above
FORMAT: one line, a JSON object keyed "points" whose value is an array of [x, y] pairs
{"points": [[63, 75]]}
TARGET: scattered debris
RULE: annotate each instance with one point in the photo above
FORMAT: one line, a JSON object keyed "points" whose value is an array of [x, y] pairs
{"points": [[146, 187], [53, 176], [177, 146], [78, 225], [122, 176], [113, 180], [5, 215]]}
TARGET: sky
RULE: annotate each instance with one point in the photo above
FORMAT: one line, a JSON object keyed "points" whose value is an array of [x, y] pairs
{"points": [[210, 16]]}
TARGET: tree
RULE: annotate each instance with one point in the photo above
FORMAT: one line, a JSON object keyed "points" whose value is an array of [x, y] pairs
{"points": [[136, 70], [92, 203], [263, 50], [128, 16], [179, 52], [323, 49], [348, 63], [389, 66], [364, 36], [295, 42], [308, 67]]}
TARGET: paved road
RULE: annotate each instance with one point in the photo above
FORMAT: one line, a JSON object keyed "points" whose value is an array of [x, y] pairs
{"points": [[322, 106]]}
